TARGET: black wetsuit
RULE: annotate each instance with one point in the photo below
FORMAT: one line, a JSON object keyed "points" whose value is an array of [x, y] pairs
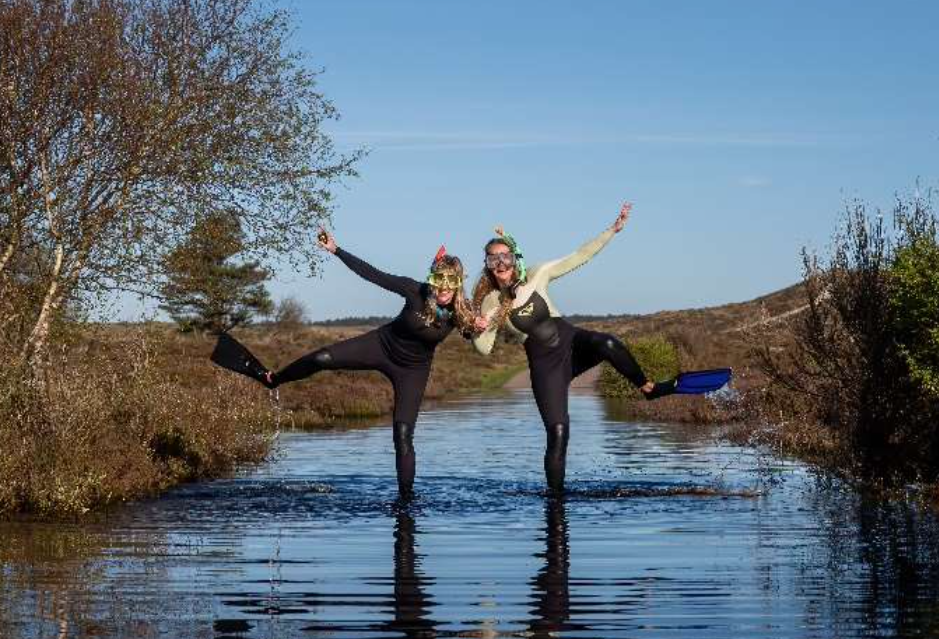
{"points": [[402, 350], [557, 351]]}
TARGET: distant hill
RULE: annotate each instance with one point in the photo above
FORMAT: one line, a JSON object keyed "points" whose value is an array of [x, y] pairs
{"points": [[371, 320], [711, 336], [711, 319], [714, 319]]}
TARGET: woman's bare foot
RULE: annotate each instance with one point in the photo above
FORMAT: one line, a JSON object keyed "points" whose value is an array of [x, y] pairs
{"points": [[269, 379]]}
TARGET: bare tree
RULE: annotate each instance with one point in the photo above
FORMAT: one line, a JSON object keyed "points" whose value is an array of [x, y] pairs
{"points": [[290, 313], [124, 122]]}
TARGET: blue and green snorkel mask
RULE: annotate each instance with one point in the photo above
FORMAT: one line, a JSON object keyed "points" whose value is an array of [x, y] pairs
{"points": [[520, 269]]}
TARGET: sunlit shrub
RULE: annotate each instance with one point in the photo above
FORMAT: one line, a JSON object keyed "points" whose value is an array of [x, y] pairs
{"points": [[857, 361], [915, 307], [657, 357]]}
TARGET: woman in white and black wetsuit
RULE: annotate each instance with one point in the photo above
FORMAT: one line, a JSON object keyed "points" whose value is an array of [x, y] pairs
{"points": [[402, 350], [511, 296]]}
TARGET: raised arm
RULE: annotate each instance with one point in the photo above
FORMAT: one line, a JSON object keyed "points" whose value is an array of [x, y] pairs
{"points": [[394, 283], [581, 256]]}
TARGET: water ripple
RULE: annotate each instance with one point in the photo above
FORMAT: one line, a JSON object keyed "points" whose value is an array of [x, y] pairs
{"points": [[661, 533]]}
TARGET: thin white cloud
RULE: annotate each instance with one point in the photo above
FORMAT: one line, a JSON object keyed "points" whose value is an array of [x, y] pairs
{"points": [[743, 139], [399, 141], [439, 141], [755, 182]]}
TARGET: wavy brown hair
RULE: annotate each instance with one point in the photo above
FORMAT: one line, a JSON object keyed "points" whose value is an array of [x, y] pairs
{"points": [[487, 283], [463, 311]]}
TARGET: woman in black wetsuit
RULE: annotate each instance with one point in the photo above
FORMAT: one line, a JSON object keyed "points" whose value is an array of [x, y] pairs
{"points": [[510, 296], [402, 350]]}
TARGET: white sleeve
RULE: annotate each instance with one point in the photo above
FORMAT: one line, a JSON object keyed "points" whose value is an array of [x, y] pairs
{"points": [[485, 341], [556, 268]]}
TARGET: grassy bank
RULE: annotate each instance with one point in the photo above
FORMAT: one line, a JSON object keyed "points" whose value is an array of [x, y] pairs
{"points": [[713, 337], [109, 421], [333, 396], [126, 411]]}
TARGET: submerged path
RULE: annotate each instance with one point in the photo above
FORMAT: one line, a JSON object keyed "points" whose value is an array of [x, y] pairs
{"points": [[587, 381], [664, 533]]}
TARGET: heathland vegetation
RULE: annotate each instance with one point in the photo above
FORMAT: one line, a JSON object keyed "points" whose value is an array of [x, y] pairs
{"points": [[858, 365], [840, 369], [128, 410], [132, 130], [124, 126]]}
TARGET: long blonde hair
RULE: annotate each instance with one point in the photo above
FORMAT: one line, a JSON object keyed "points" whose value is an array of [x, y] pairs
{"points": [[487, 283], [464, 312]]}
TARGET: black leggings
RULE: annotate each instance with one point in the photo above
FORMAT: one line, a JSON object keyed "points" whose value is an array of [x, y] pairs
{"points": [[552, 369], [366, 352]]}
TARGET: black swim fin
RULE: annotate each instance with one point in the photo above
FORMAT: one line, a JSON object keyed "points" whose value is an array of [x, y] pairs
{"points": [[231, 354]]}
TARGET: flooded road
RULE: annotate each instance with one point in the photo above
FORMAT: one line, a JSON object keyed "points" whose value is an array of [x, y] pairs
{"points": [[663, 533]]}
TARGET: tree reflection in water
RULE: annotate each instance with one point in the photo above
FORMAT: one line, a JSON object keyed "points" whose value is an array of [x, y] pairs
{"points": [[880, 562]]}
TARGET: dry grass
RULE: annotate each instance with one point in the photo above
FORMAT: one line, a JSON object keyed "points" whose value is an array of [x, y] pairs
{"points": [[332, 396], [129, 410], [110, 422], [713, 337]]}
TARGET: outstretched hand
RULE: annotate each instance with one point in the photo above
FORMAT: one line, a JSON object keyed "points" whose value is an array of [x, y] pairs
{"points": [[622, 217], [326, 241]]}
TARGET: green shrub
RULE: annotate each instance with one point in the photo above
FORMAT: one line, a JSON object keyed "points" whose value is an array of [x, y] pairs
{"points": [[915, 307], [860, 362], [658, 358]]}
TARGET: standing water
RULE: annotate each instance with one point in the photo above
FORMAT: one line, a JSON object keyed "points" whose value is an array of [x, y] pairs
{"points": [[663, 533]]}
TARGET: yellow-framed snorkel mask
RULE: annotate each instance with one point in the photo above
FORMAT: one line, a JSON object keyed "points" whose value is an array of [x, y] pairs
{"points": [[446, 279]]}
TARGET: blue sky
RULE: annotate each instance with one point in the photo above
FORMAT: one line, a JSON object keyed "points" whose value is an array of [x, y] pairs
{"points": [[737, 129]]}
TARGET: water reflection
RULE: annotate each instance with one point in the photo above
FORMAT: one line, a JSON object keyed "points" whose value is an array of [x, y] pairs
{"points": [[53, 578], [312, 545], [412, 604], [880, 567], [551, 594]]}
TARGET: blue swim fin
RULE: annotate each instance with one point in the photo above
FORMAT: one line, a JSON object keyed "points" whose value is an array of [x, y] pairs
{"points": [[698, 382]]}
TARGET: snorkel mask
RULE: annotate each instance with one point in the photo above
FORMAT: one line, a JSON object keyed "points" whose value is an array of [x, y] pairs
{"points": [[520, 270], [443, 279]]}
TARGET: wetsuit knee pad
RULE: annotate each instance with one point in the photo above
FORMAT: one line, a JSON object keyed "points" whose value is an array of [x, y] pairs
{"points": [[607, 343], [322, 358], [403, 436], [558, 436]]}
